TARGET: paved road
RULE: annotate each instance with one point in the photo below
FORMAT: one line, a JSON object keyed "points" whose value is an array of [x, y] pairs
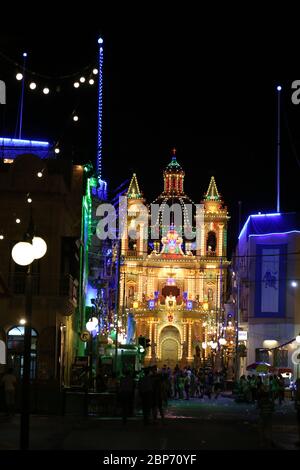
{"points": [[193, 425]]}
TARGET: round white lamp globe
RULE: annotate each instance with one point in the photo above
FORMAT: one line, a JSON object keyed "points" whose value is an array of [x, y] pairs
{"points": [[90, 326], [95, 321], [298, 339], [39, 247], [223, 342], [23, 253]]}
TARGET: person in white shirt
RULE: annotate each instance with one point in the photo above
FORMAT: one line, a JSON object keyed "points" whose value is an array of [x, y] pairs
{"points": [[9, 381]]}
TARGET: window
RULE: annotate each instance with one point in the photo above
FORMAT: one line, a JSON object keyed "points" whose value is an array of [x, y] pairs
{"points": [[210, 295], [15, 351], [211, 244], [281, 358], [18, 278], [261, 355]]}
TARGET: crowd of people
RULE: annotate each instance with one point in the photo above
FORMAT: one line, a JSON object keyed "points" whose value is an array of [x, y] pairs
{"points": [[266, 392], [249, 388], [153, 388]]}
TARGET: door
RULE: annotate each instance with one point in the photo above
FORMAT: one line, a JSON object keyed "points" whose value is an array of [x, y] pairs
{"points": [[169, 353]]}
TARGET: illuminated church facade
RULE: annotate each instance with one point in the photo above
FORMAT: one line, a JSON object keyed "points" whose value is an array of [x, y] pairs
{"points": [[173, 286]]}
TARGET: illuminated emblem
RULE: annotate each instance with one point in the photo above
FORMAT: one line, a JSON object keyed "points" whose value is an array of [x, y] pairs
{"points": [[296, 357], [85, 336], [172, 244], [170, 318]]}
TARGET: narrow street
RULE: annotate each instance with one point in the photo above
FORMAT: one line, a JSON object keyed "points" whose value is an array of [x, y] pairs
{"points": [[193, 425]]}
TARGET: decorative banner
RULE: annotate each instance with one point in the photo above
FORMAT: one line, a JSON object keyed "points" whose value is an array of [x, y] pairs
{"points": [[270, 281]]}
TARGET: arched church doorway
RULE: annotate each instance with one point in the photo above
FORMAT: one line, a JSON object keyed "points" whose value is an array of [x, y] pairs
{"points": [[170, 346]]}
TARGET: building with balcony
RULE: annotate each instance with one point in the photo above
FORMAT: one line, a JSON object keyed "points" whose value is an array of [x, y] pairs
{"points": [[33, 181], [174, 269]]}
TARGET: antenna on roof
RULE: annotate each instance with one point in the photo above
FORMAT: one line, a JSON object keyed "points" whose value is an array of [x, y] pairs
{"points": [[279, 89]]}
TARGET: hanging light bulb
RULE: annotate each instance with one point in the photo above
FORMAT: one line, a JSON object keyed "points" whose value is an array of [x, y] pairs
{"points": [[19, 76], [57, 150], [32, 86], [91, 81], [1, 237], [46, 91], [82, 79], [95, 71], [76, 85], [18, 221], [29, 199], [75, 118]]}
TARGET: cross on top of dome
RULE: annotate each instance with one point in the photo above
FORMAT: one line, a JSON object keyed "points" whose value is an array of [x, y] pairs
{"points": [[174, 165]]}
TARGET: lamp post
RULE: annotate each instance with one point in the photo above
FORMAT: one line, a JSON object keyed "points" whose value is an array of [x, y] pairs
{"points": [[91, 326], [23, 254]]}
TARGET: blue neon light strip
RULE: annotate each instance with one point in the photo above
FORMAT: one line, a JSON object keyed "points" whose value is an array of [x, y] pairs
{"points": [[254, 216], [275, 234], [100, 111], [7, 142]]}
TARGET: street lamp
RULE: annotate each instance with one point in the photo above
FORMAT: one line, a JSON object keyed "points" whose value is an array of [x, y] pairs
{"points": [[23, 254], [91, 327]]}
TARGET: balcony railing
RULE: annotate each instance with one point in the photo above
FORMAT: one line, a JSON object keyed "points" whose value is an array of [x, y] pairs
{"points": [[17, 283]]}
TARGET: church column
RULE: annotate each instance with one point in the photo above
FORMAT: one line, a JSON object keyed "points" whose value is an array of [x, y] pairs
{"points": [[122, 287], [221, 231], [219, 290], [149, 352], [201, 291], [185, 326], [190, 342], [155, 339], [141, 240], [150, 288], [203, 241], [124, 241], [140, 286]]}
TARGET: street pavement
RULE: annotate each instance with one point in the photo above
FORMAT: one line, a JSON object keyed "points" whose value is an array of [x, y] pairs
{"points": [[190, 425]]}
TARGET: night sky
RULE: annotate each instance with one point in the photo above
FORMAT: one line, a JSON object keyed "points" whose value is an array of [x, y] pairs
{"points": [[163, 87]]}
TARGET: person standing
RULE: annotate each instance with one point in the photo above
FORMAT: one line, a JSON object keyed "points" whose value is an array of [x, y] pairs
{"points": [[266, 409], [146, 393], [9, 381], [297, 406], [126, 395], [157, 395]]}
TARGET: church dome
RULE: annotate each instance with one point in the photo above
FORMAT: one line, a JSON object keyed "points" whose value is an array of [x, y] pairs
{"points": [[174, 195]]}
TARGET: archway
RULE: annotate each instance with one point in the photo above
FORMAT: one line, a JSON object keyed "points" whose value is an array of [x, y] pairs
{"points": [[211, 243], [170, 346]]}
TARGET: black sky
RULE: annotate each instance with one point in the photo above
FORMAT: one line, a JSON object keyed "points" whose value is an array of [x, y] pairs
{"points": [[165, 86]]}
